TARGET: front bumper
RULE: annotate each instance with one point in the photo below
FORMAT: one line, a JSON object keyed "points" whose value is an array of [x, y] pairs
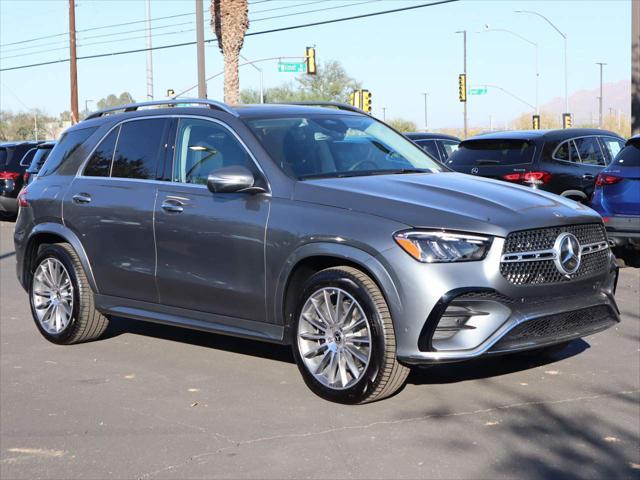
{"points": [[504, 317]]}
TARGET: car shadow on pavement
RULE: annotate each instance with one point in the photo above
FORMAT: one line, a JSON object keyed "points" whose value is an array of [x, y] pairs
{"points": [[7, 255], [119, 326], [491, 366]]}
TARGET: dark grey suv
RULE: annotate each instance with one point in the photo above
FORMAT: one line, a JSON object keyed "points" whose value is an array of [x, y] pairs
{"points": [[305, 225]]}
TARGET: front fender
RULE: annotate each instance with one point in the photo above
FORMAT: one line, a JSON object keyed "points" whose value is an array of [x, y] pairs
{"points": [[369, 264], [69, 237]]}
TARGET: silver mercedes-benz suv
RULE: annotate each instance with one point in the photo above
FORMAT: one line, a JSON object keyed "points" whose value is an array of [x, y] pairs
{"points": [[311, 225]]}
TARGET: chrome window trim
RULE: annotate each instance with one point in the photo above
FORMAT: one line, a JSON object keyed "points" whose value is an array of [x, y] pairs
{"points": [[25, 156], [80, 171], [572, 139]]}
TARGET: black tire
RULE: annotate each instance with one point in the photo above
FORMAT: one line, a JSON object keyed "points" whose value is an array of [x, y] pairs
{"points": [[86, 323], [384, 375]]}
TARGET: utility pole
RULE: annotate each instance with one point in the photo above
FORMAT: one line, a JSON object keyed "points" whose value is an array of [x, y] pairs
{"points": [[600, 122], [466, 122], [202, 83], [426, 123], [384, 114], [149, 54], [635, 67], [73, 62], [35, 124]]}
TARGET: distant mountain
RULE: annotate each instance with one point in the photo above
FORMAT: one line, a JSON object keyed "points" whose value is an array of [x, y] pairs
{"points": [[584, 103]]}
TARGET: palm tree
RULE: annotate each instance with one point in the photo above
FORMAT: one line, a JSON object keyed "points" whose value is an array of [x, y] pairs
{"points": [[230, 21]]}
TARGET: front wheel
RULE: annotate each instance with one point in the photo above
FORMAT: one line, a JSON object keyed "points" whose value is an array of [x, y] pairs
{"points": [[344, 343]]}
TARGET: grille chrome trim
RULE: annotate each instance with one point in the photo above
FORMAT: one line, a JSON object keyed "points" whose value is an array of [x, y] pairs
{"points": [[550, 254]]}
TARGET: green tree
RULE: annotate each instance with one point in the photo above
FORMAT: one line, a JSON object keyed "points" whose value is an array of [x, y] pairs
{"points": [[402, 125], [331, 84], [114, 100]]}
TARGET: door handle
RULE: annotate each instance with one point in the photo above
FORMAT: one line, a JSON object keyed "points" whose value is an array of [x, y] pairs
{"points": [[588, 176], [81, 198], [172, 206]]}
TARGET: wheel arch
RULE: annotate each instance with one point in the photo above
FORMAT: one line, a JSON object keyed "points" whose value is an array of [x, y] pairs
{"points": [[314, 257], [574, 193], [52, 233]]}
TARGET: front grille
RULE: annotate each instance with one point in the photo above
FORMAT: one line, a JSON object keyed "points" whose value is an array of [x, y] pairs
{"points": [[544, 271], [544, 238], [558, 327]]}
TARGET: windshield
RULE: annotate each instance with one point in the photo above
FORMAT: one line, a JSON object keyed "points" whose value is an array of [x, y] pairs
{"points": [[629, 156], [491, 152], [327, 145]]}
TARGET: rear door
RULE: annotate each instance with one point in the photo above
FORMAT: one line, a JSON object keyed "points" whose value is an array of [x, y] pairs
{"points": [[110, 206], [210, 245], [592, 162]]}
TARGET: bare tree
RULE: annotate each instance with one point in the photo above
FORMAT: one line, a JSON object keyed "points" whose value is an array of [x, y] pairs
{"points": [[230, 21]]}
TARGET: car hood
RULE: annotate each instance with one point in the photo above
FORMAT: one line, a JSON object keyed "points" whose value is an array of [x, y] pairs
{"points": [[448, 200]]}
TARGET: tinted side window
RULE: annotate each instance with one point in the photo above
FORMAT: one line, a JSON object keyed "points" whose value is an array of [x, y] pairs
{"points": [[629, 156], [567, 152], [430, 147], [140, 149], [68, 144], [589, 151], [202, 147], [99, 164], [26, 159]]}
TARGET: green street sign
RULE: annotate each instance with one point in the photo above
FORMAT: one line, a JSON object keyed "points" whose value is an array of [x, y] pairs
{"points": [[477, 91], [292, 67]]}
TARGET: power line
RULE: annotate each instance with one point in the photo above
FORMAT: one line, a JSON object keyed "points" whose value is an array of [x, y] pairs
{"points": [[82, 44], [263, 32]]}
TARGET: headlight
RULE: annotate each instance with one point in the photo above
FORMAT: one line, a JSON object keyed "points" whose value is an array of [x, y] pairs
{"points": [[439, 246]]}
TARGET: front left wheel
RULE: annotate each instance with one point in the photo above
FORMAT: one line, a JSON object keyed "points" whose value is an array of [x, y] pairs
{"points": [[344, 343], [61, 299]]}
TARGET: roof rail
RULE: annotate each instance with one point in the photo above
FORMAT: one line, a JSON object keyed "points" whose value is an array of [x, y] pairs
{"points": [[338, 105], [132, 107]]}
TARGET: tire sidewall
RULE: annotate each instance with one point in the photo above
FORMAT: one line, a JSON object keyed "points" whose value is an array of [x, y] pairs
{"points": [[54, 251], [369, 380]]}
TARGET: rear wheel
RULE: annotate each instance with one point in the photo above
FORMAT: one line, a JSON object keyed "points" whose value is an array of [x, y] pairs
{"points": [[344, 341], [61, 299]]}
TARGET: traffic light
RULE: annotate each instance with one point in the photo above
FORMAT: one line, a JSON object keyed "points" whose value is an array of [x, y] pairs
{"points": [[355, 98], [462, 87], [567, 121], [311, 61], [366, 101], [170, 92], [536, 122]]}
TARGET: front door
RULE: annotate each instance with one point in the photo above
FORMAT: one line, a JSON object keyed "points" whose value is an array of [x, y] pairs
{"points": [[210, 245]]}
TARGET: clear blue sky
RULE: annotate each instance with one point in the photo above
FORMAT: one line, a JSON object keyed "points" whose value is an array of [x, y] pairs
{"points": [[396, 56]]}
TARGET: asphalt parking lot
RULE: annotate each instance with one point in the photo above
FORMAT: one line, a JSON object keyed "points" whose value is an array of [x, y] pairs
{"points": [[152, 402]]}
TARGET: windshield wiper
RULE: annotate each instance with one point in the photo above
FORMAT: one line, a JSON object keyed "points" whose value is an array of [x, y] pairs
{"points": [[487, 162]]}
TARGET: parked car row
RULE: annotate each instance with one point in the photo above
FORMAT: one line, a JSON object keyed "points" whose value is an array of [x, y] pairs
{"points": [[586, 165], [319, 228], [19, 163]]}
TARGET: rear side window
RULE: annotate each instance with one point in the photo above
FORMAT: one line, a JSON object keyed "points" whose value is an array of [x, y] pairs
{"points": [[38, 159], [99, 164], [612, 145], [590, 151], [492, 152], [140, 149], [449, 146], [69, 143], [26, 160], [430, 147], [567, 152], [629, 156]]}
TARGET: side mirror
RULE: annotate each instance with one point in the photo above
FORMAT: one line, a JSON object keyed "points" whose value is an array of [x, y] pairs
{"points": [[234, 179]]}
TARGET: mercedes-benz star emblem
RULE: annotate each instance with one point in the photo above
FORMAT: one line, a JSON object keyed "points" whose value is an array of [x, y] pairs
{"points": [[568, 253], [474, 170]]}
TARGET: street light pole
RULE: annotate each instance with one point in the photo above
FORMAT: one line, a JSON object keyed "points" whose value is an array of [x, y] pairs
{"points": [[202, 84], [566, 68], [600, 123], [464, 39], [384, 114], [426, 124]]}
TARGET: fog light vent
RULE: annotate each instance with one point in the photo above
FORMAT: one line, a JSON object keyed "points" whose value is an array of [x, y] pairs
{"points": [[453, 320]]}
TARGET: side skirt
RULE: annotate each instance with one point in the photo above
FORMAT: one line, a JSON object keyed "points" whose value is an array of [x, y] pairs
{"points": [[195, 320]]}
